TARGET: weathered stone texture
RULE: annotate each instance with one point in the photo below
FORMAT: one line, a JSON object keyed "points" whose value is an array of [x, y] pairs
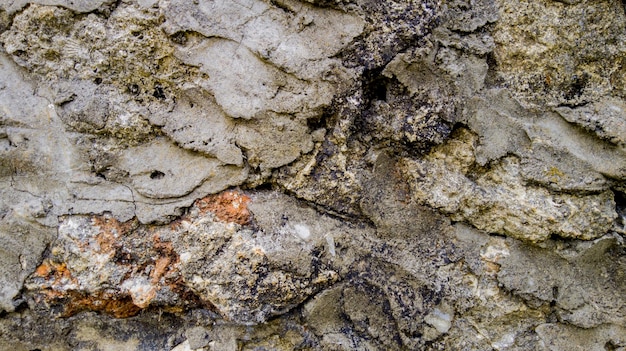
{"points": [[312, 175], [561, 53]]}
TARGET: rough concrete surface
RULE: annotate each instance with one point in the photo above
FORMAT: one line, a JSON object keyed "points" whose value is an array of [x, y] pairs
{"points": [[312, 175]]}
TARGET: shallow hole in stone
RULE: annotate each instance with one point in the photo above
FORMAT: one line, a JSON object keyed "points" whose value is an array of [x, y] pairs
{"points": [[179, 38], [159, 93], [157, 175], [610, 346], [133, 89]]}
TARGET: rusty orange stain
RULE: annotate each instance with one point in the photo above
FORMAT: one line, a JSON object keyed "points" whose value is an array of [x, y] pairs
{"points": [[43, 270], [160, 266], [60, 287], [117, 306], [111, 229], [53, 271], [228, 206]]}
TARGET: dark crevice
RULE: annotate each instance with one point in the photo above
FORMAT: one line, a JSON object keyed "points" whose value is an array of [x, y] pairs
{"points": [[281, 5], [107, 9], [268, 186], [492, 79], [320, 121], [359, 220], [20, 302], [374, 88], [620, 207], [374, 85], [555, 296]]}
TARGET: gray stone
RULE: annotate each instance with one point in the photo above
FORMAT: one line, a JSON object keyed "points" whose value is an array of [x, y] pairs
{"points": [[29, 147], [187, 125], [498, 119], [197, 337], [23, 244], [554, 153], [606, 119], [556, 336], [75, 5], [468, 16], [312, 175], [593, 268], [156, 171]]}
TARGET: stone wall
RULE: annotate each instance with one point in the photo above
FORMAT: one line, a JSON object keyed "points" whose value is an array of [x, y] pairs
{"points": [[312, 175]]}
